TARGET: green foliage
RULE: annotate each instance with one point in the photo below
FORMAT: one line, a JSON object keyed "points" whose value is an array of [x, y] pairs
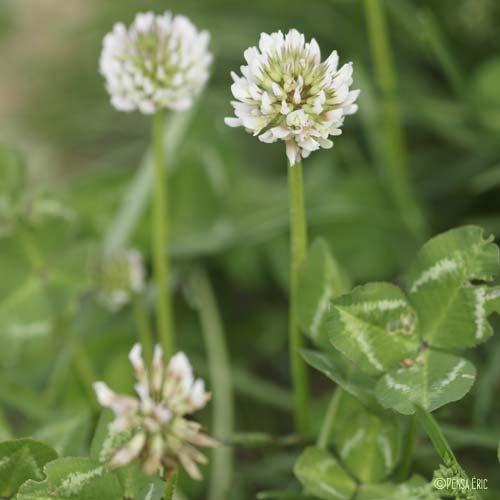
{"points": [[20, 460], [435, 380], [82, 191], [67, 433], [322, 476], [374, 326], [447, 288], [386, 333], [73, 478], [344, 373], [367, 444], [367, 451], [322, 279], [484, 95], [414, 489]]}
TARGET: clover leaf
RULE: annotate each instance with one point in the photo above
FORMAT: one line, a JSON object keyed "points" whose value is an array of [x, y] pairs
{"points": [[409, 342]]}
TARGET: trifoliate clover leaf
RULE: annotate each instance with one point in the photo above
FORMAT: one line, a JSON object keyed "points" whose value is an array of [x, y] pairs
{"points": [[367, 444], [374, 326], [20, 460], [73, 479], [443, 287], [402, 339], [322, 475], [434, 380]]}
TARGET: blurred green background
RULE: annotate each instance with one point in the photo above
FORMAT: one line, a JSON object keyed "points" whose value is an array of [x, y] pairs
{"points": [[71, 185]]}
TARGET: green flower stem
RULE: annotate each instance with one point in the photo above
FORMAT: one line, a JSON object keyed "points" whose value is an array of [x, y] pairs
{"points": [[145, 335], [396, 164], [440, 443], [171, 484], [409, 449], [220, 377], [298, 250], [329, 420], [255, 440], [160, 235]]}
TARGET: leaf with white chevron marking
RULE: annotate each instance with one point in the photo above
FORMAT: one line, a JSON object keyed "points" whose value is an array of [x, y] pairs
{"points": [[447, 287], [435, 379], [374, 326]]}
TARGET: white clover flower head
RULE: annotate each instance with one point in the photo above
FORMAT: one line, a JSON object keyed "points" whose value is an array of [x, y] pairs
{"points": [[159, 433], [120, 278], [158, 62], [287, 93]]}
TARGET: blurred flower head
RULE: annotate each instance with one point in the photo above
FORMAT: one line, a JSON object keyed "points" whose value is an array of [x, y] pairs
{"points": [[159, 434], [286, 93], [158, 62], [119, 278]]}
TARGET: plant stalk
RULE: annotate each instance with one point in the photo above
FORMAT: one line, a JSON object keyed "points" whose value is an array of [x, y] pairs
{"points": [[396, 164], [160, 243], [298, 250], [220, 377], [409, 450], [441, 445]]}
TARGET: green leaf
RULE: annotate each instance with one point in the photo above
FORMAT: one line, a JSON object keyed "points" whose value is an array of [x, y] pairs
{"points": [[374, 326], [20, 460], [452, 309], [24, 308], [339, 369], [322, 476], [152, 490], [367, 444], [73, 479], [321, 280], [138, 485], [434, 380]]}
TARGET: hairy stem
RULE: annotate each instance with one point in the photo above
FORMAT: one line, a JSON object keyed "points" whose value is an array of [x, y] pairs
{"points": [[298, 250], [408, 450], [160, 235], [220, 377], [441, 445], [396, 164]]}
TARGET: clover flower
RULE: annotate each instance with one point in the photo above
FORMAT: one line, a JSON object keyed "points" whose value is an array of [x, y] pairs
{"points": [[158, 62], [120, 278], [159, 434], [286, 93]]}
